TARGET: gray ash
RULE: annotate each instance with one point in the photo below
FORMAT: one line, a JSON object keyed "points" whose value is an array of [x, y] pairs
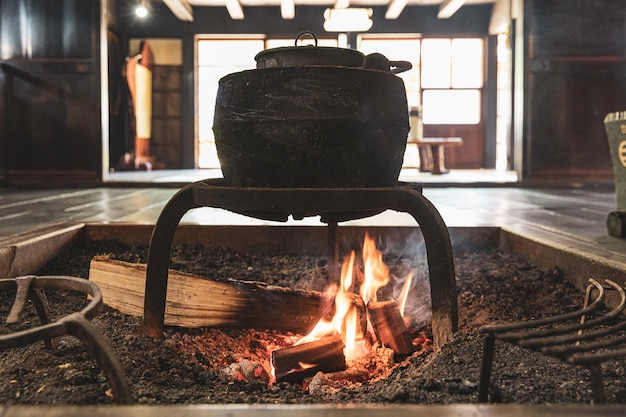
{"points": [[185, 366]]}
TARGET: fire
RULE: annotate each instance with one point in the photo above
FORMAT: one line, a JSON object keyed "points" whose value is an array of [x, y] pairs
{"points": [[344, 311], [375, 272], [404, 293], [346, 320]]}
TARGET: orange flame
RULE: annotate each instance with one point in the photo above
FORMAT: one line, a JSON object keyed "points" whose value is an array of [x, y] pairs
{"points": [[404, 293], [345, 321], [343, 308], [375, 272]]}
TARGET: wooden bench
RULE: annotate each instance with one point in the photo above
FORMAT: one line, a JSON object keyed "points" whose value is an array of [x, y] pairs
{"points": [[431, 153]]}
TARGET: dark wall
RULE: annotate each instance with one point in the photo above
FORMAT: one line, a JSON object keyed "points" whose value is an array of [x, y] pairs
{"points": [[50, 89], [575, 75]]}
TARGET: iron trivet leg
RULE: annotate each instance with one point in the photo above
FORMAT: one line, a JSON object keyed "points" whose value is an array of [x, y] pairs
{"points": [[76, 324], [331, 204], [333, 253]]}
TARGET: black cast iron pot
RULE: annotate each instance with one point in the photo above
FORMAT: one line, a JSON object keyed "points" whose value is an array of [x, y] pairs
{"points": [[312, 117]]}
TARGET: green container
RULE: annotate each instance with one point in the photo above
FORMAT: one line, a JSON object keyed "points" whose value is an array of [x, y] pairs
{"points": [[615, 125]]}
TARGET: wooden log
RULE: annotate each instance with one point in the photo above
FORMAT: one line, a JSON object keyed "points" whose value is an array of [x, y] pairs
{"points": [[389, 326], [293, 363], [361, 310], [194, 301]]}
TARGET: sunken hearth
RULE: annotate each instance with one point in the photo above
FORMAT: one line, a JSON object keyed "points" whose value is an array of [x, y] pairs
{"points": [[194, 366]]}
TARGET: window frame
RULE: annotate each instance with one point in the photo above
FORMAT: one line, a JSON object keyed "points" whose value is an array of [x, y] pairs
{"points": [[437, 119]]}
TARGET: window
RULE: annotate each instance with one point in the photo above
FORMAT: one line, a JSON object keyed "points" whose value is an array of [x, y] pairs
{"points": [[446, 78], [451, 107], [451, 80], [217, 58]]}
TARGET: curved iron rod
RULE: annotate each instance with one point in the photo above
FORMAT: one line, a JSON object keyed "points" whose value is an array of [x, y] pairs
{"points": [[523, 325], [331, 204], [76, 324], [79, 327], [159, 258]]}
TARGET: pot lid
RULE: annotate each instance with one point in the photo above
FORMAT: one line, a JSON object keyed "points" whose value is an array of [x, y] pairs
{"points": [[309, 55]]}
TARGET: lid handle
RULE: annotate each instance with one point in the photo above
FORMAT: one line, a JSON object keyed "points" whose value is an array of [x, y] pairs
{"points": [[306, 33]]}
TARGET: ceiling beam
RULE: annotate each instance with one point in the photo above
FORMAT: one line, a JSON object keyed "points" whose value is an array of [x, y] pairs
{"points": [[449, 7], [181, 9], [287, 9], [395, 8], [234, 9]]}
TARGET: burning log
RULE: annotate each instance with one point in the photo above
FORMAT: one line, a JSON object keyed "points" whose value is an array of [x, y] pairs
{"points": [[194, 301], [299, 361], [361, 313], [389, 326]]}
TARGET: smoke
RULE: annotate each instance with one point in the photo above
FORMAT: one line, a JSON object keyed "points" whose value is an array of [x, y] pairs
{"points": [[405, 255]]}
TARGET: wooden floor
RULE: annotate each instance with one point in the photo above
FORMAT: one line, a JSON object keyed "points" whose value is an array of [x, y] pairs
{"points": [[576, 213], [456, 410], [572, 216], [184, 176]]}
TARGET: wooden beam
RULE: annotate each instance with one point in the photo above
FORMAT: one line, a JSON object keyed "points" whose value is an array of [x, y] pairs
{"points": [[449, 7], [287, 9], [194, 301], [395, 8], [181, 9], [234, 9], [27, 253]]}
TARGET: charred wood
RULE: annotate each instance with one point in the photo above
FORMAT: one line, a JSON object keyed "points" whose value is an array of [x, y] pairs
{"points": [[293, 363]]}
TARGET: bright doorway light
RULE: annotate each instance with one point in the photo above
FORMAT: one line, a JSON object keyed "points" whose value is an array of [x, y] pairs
{"points": [[217, 58], [142, 10], [348, 20]]}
